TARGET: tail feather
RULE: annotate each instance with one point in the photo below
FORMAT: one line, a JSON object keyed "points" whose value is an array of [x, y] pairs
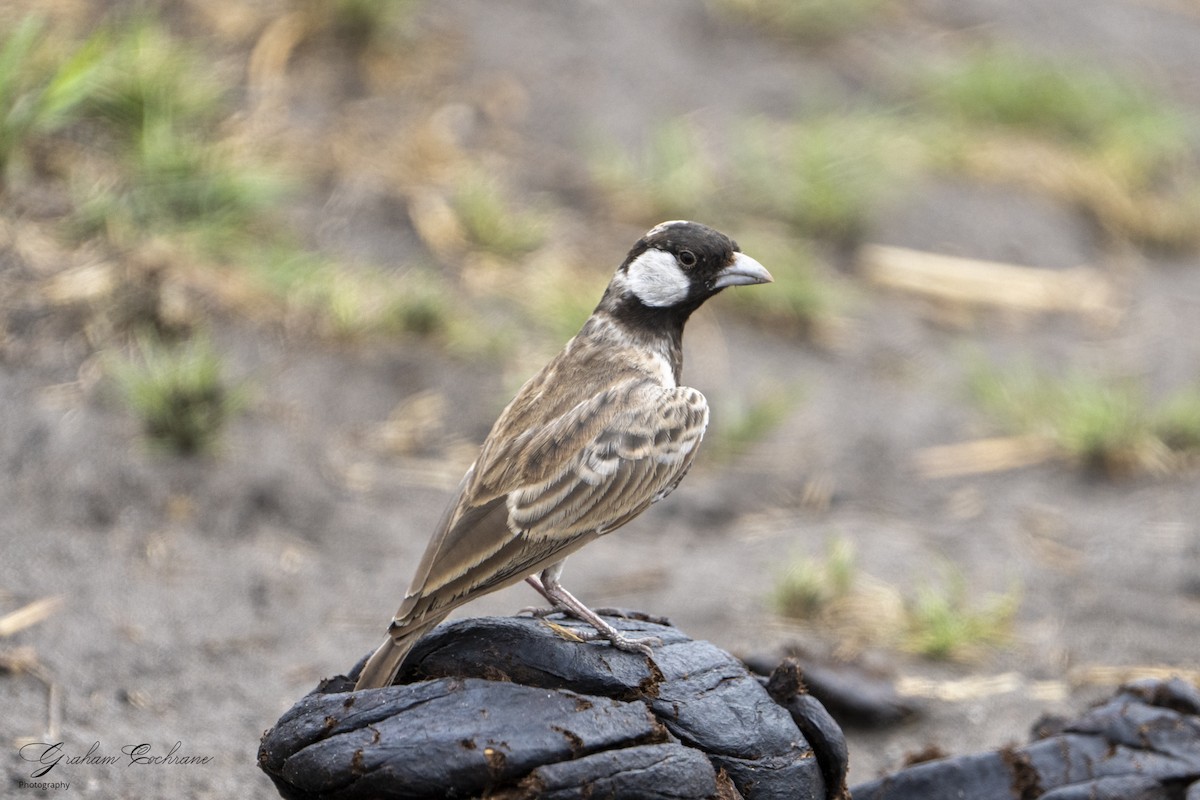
{"points": [[384, 664]]}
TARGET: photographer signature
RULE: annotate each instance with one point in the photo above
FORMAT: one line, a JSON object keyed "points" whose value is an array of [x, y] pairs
{"points": [[49, 755]]}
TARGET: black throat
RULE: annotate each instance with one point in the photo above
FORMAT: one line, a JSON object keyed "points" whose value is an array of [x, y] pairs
{"points": [[649, 326]]}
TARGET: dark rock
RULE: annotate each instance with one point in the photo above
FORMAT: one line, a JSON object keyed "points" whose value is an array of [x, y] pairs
{"points": [[514, 707], [852, 695], [827, 741], [655, 772], [1126, 787], [787, 687], [984, 776], [449, 733], [1142, 744], [1176, 694]]}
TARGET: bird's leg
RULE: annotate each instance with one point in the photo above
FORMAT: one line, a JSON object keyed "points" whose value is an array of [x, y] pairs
{"points": [[564, 600], [533, 611]]}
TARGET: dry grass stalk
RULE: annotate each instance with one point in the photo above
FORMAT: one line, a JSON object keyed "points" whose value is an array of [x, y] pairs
{"points": [[24, 660], [29, 615], [973, 282], [437, 224], [1104, 675], [90, 283], [979, 686], [985, 455], [267, 70]]}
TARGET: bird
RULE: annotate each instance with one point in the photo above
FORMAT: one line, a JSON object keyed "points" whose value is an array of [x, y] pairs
{"points": [[604, 430]]}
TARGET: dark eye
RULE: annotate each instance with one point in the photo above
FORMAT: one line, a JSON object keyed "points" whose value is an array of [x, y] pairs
{"points": [[687, 258]]}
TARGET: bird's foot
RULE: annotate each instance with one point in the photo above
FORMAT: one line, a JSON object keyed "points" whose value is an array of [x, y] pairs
{"points": [[629, 644]]}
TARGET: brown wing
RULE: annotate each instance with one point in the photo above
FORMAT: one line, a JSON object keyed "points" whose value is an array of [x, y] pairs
{"points": [[636, 458], [532, 499]]}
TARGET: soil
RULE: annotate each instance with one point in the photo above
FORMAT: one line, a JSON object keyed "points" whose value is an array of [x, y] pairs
{"points": [[204, 596]]}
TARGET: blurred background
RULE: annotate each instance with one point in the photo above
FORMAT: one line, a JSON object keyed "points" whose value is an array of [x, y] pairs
{"points": [[269, 270]]}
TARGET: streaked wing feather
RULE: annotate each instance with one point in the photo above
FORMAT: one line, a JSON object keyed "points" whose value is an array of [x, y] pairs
{"points": [[532, 499], [637, 458]]}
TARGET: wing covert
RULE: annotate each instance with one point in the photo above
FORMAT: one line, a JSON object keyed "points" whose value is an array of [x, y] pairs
{"points": [[636, 458], [559, 485]]}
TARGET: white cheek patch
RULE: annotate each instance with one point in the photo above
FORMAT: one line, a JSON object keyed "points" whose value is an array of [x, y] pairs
{"points": [[656, 279]]}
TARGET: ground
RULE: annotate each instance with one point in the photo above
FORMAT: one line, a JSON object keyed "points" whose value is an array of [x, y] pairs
{"points": [[202, 596]]}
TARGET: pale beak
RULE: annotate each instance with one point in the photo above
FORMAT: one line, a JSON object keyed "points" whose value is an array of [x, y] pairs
{"points": [[744, 271]]}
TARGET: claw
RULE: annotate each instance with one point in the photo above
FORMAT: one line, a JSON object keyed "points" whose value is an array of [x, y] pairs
{"points": [[642, 644]]}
